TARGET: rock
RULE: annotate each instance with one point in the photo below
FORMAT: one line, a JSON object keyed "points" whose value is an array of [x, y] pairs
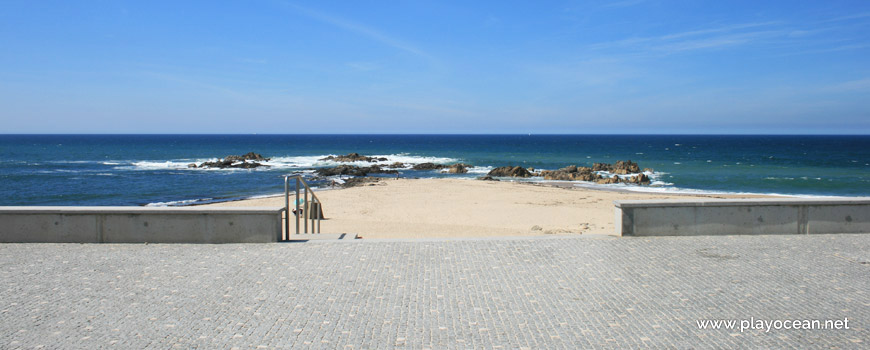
{"points": [[625, 167], [248, 165], [376, 169], [341, 170], [487, 178], [247, 156], [233, 161], [223, 164], [458, 168], [360, 181], [537, 228], [640, 179], [608, 180], [396, 165], [556, 175], [353, 157], [586, 177], [509, 171], [648, 170], [601, 167], [571, 173], [352, 170], [428, 166]]}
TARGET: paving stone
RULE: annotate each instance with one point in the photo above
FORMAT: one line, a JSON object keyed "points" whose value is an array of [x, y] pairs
{"points": [[429, 294]]}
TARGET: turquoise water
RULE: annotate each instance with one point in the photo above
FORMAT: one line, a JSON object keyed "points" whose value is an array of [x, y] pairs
{"points": [[152, 169]]}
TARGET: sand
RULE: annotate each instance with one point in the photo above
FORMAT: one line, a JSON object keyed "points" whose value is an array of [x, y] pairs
{"points": [[444, 208]]}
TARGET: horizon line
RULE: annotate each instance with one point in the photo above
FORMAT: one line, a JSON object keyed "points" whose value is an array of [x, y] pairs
{"points": [[434, 134]]}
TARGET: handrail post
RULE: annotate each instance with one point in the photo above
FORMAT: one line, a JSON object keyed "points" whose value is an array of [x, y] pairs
{"points": [[305, 212], [297, 206], [319, 211], [286, 209], [309, 202]]}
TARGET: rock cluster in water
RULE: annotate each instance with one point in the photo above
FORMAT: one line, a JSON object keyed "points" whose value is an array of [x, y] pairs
{"points": [[510, 171], [353, 170], [580, 173], [233, 161], [354, 157], [569, 173], [458, 168]]}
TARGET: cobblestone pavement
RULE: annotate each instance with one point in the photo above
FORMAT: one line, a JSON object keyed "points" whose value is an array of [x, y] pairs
{"points": [[489, 293]]}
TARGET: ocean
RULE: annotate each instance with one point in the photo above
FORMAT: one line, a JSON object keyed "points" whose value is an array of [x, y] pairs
{"points": [[153, 169]]}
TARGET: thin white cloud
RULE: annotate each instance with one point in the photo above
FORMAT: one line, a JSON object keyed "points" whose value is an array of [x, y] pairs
{"points": [[852, 85], [700, 39], [725, 29], [849, 17], [364, 66], [623, 3], [359, 29]]}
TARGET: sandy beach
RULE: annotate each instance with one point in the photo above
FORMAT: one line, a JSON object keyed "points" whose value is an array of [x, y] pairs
{"points": [[429, 208]]}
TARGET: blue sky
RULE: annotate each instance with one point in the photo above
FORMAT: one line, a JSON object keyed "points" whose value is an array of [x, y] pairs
{"points": [[629, 66]]}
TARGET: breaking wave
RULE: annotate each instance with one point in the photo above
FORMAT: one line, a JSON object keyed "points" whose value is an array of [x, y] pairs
{"points": [[289, 162]]}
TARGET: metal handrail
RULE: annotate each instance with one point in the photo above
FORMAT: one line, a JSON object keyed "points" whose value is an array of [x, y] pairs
{"points": [[310, 211]]}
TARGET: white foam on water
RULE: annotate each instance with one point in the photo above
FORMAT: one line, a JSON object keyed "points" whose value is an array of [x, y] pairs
{"points": [[678, 190], [178, 203], [318, 162], [180, 165], [73, 161], [261, 196], [472, 170], [156, 165], [289, 162]]}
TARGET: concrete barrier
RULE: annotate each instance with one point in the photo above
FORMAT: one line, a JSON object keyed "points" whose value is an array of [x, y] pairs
{"points": [[140, 224], [742, 216]]}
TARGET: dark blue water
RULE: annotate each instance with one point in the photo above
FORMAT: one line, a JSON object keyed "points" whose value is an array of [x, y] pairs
{"points": [[143, 169]]}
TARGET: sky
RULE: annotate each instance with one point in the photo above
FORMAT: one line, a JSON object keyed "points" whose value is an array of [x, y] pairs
{"points": [[468, 67]]}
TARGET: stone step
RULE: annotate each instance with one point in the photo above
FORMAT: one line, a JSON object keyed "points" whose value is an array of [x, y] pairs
{"points": [[322, 237]]}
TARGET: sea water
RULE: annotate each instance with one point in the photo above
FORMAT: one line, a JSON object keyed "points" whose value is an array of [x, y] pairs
{"points": [[153, 169]]}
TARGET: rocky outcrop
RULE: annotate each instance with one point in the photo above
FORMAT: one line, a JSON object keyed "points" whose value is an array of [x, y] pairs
{"points": [[248, 156], [608, 180], [354, 157], [625, 167], [510, 171], [341, 170], [396, 165], [233, 161], [352, 170], [601, 167], [361, 181], [571, 173], [639, 179], [620, 167], [487, 178], [428, 166], [376, 169], [458, 168]]}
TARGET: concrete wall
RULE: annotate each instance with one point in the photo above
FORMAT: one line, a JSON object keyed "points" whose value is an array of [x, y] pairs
{"points": [[140, 224], [742, 216]]}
